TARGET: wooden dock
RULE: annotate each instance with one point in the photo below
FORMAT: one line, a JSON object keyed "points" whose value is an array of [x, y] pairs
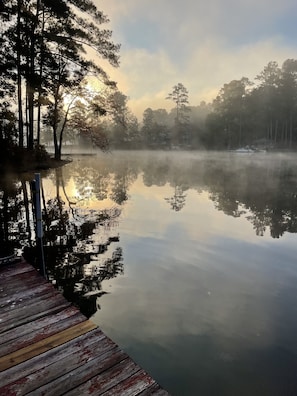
{"points": [[47, 347]]}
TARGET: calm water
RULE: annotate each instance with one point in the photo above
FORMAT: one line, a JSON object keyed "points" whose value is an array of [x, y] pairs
{"points": [[203, 294]]}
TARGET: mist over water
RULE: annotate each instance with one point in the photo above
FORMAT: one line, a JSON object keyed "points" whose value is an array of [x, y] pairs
{"points": [[192, 270], [207, 299]]}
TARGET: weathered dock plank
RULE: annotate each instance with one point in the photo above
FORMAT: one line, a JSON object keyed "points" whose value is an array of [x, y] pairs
{"points": [[35, 326], [47, 347], [17, 317], [155, 390], [15, 268], [39, 334], [26, 293], [131, 386], [42, 365], [65, 373], [73, 380], [22, 282], [19, 304], [107, 379]]}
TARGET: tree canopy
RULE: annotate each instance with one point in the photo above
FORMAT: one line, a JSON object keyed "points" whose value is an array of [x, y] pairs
{"points": [[46, 51], [45, 55]]}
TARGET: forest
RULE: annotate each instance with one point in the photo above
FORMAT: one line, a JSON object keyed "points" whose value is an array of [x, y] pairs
{"points": [[46, 49], [259, 114], [47, 94]]}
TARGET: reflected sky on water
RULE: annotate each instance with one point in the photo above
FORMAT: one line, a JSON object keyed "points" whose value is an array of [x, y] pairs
{"points": [[207, 303]]}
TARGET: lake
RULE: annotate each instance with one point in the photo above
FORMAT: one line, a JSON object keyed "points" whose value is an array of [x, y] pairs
{"points": [[186, 259]]}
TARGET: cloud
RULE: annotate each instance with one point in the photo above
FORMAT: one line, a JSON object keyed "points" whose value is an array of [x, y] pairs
{"points": [[192, 18], [203, 45], [147, 77], [212, 65]]}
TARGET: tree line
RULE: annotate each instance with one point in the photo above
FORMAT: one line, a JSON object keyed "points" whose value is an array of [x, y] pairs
{"points": [[45, 49], [261, 113], [46, 95]]}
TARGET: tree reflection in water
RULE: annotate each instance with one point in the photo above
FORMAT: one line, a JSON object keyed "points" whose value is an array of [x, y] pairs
{"points": [[15, 215], [76, 241], [263, 189], [178, 200], [81, 244], [73, 252]]}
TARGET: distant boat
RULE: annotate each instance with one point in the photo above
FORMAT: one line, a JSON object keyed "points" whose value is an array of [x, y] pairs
{"points": [[249, 150], [245, 150]]}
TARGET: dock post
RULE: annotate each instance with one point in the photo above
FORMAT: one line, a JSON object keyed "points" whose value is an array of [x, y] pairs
{"points": [[39, 229]]}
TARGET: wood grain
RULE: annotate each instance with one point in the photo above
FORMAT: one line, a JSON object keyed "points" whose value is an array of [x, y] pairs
{"points": [[47, 347]]}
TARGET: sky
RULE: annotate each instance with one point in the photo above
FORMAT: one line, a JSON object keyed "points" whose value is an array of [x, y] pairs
{"points": [[202, 44]]}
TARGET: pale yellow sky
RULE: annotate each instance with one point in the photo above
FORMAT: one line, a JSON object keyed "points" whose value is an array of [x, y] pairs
{"points": [[203, 45]]}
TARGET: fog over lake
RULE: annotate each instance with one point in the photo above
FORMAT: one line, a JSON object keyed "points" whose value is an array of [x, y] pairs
{"points": [[207, 302], [192, 271]]}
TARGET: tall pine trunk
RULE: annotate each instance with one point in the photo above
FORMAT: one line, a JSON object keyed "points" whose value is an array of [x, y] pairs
{"points": [[291, 131], [40, 79], [55, 122], [19, 77], [31, 77]]}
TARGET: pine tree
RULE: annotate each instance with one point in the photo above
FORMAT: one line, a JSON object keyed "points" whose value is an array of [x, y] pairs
{"points": [[180, 97], [49, 41]]}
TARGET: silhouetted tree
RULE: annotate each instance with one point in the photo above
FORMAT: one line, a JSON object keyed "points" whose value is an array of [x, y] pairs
{"points": [[180, 97], [49, 41]]}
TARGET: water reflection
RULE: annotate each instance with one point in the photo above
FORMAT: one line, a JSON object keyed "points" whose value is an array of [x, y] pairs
{"points": [[209, 289], [261, 188], [178, 199], [15, 215], [77, 241]]}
